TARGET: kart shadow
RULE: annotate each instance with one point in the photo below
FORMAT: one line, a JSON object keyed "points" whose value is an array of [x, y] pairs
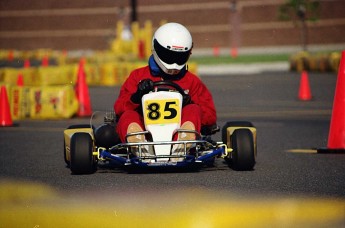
{"points": [[155, 170], [115, 168]]}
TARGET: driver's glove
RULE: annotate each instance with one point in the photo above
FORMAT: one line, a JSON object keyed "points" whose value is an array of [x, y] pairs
{"points": [[209, 129], [186, 99], [144, 87]]}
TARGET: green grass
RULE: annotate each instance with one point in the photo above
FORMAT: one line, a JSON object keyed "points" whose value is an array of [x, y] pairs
{"points": [[209, 60]]}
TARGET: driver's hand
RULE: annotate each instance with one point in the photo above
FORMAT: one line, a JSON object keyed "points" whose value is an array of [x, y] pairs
{"points": [[144, 87], [186, 99]]}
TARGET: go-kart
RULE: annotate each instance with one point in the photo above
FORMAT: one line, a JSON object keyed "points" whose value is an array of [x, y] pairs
{"points": [[86, 146]]}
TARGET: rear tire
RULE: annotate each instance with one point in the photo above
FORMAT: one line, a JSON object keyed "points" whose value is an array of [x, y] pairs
{"points": [[243, 154], [82, 161]]}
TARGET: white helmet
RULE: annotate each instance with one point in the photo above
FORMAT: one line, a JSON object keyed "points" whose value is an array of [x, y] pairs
{"points": [[171, 47]]}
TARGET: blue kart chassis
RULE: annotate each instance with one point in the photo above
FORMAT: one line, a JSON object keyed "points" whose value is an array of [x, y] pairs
{"points": [[199, 157]]}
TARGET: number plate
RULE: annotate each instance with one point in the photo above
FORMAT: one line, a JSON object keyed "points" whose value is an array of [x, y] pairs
{"points": [[162, 111]]}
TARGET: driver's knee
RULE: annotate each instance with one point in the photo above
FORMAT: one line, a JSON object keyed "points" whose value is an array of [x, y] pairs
{"points": [[192, 113], [125, 120]]}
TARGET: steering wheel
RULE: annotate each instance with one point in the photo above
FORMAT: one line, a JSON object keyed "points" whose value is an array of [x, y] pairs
{"points": [[170, 84]]}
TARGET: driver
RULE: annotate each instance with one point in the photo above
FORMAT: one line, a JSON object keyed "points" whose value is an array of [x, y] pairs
{"points": [[171, 47]]}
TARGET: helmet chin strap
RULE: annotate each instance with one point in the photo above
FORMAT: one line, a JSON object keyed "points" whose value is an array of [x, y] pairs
{"points": [[157, 71]]}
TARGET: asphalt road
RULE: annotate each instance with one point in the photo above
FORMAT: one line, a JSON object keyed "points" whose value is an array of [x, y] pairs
{"points": [[288, 130], [33, 150]]}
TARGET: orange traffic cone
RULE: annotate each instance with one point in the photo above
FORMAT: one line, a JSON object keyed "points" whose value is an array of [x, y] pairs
{"points": [[20, 80], [336, 137], [45, 61], [304, 93], [10, 56], [216, 51], [234, 52], [141, 49], [26, 63], [82, 92], [5, 112]]}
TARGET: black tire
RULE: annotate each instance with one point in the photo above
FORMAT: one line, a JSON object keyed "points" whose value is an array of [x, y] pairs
{"points": [[243, 154], [82, 161], [76, 126], [106, 136], [234, 124]]}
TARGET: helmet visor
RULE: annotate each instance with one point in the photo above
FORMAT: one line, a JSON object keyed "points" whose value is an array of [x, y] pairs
{"points": [[169, 56]]}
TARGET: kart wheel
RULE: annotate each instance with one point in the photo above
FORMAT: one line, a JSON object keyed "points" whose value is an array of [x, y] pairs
{"points": [[243, 154], [81, 154], [76, 126], [234, 124], [106, 136]]}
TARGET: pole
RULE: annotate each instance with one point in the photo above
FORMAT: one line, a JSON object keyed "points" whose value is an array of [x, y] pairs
{"points": [[134, 16]]}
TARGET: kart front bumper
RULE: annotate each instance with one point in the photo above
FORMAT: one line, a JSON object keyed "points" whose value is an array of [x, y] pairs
{"points": [[155, 161]]}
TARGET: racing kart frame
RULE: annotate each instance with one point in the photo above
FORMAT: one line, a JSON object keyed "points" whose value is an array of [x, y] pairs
{"points": [[85, 146]]}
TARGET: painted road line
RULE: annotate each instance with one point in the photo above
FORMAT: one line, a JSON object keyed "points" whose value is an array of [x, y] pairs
{"points": [[303, 151]]}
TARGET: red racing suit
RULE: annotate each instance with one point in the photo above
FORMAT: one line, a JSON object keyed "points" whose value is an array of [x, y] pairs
{"points": [[201, 112]]}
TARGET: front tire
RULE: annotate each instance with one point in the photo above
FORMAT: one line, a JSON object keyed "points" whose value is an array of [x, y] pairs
{"points": [[243, 154], [76, 126], [234, 124], [82, 161]]}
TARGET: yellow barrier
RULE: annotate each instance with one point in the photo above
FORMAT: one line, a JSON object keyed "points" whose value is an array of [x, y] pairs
{"points": [[137, 46], [10, 76], [323, 62], [100, 57], [192, 67], [53, 102], [92, 72], [39, 54], [148, 37], [10, 54], [56, 75], [108, 68], [2, 75], [109, 74], [67, 74], [97, 74], [334, 59], [51, 75], [113, 74]]}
